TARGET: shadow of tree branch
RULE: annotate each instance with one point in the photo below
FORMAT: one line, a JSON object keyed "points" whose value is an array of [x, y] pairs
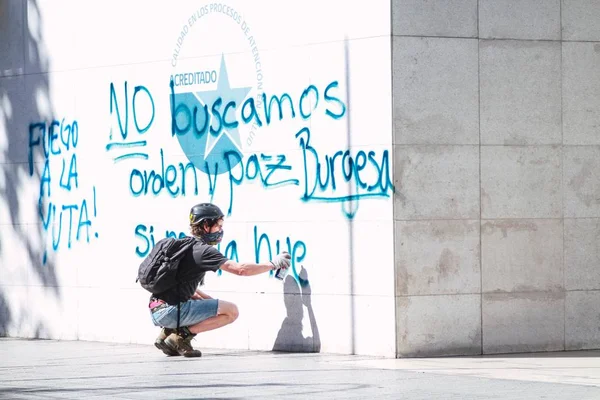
{"points": [[24, 99]]}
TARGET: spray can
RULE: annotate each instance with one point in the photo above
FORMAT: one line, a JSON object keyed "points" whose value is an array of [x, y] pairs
{"points": [[282, 273]]}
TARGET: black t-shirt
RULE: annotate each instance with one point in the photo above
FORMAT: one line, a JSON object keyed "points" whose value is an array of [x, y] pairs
{"points": [[191, 271]]}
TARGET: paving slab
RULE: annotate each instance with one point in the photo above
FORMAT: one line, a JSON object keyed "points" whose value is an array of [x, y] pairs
{"points": [[49, 369]]}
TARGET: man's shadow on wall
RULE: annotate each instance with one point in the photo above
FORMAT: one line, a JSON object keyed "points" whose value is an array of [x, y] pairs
{"points": [[296, 296]]}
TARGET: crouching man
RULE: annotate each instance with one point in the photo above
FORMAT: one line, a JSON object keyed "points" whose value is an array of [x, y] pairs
{"points": [[187, 306]]}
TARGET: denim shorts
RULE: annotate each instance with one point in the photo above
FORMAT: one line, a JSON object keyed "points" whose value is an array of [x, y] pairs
{"points": [[192, 312]]}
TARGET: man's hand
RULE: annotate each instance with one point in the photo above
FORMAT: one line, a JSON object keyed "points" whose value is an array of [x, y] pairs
{"points": [[282, 260]]}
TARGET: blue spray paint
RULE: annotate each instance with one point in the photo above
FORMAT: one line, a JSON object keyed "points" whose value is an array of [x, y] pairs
{"points": [[146, 234], [58, 141], [264, 247], [141, 127], [199, 119], [253, 168], [323, 178], [297, 251], [340, 170], [174, 179]]}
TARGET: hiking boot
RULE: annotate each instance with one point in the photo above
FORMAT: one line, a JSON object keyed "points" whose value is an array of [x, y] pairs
{"points": [[181, 342], [160, 342]]}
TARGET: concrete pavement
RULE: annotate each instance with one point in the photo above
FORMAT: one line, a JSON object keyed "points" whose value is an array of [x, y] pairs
{"points": [[47, 369]]}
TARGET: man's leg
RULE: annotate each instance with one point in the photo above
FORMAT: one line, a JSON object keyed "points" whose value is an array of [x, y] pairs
{"points": [[157, 318], [226, 313], [159, 342]]}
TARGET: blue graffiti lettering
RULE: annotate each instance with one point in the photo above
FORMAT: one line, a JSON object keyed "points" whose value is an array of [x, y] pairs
{"points": [[297, 251], [123, 122], [123, 126], [322, 177], [149, 243], [279, 104], [44, 135], [136, 90], [305, 93], [253, 113], [364, 174], [334, 99], [252, 169], [146, 235], [174, 178], [229, 124], [344, 176], [264, 247], [184, 119], [58, 140], [212, 179], [216, 117], [72, 173], [231, 251], [76, 218]]}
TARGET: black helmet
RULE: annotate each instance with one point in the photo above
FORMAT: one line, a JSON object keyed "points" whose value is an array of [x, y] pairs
{"points": [[205, 211]]}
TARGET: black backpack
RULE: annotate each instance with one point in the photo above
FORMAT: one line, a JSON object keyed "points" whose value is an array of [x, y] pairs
{"points": [[158, 272]]}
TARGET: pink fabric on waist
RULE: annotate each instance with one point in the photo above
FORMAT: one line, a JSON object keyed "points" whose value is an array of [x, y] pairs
{"points": [[156, 303]]}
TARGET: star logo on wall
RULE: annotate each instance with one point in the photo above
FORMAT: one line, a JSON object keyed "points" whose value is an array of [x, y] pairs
{"points": [[227, 94]]}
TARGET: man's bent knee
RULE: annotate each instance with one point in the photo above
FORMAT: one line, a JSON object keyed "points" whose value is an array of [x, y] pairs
{"points": [[229, 309]]}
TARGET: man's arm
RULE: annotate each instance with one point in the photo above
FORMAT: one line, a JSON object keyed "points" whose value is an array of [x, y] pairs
{"points": [[200, 295], [281, 260], [247, 269]]}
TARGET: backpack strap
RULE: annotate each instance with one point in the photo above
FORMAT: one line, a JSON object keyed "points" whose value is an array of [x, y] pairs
{"points": [[178, 256], [178, 316]]}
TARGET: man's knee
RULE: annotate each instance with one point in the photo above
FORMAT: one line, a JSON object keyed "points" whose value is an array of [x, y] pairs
{"points": [[234, 313], [229, 309]]}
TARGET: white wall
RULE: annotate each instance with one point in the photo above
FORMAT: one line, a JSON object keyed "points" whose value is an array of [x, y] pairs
{"points": [[69, 61]]}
